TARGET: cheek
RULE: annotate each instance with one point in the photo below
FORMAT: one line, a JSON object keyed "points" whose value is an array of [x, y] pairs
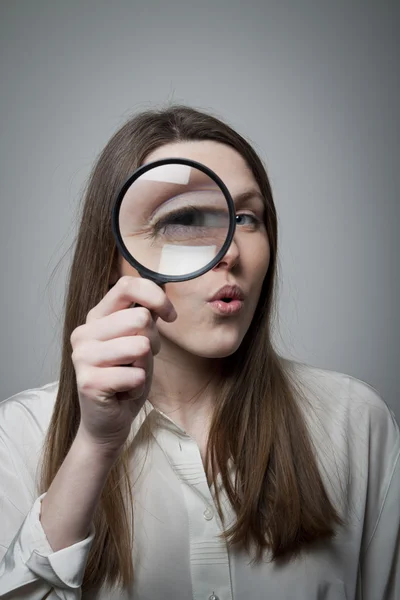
{"points": [[124, 268], [189, 313], [264, 263], [259, 255], [183, 295]]}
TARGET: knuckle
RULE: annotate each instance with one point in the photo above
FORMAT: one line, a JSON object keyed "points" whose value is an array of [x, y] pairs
{"points": [[142, 346], [91, 315], [75, 335], [146, 346], [142, 376], [85, 351], [145, 287], [78, 354], [75, 357], [125, 285], [144, 317], [85, 381]]}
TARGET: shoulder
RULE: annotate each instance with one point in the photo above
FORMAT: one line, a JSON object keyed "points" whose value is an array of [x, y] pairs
{"points": [[346, 403], [25, 417], [34, 405], [355, 432], [24, 420]]}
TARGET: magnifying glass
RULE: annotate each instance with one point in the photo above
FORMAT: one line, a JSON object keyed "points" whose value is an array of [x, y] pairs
{"points": [[173, 220]]}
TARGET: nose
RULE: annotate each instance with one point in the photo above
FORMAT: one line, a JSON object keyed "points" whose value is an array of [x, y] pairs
{"points": [[231, 257]]}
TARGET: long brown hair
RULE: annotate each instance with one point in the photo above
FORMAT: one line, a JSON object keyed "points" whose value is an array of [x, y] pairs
{"points": [[278, 495]]}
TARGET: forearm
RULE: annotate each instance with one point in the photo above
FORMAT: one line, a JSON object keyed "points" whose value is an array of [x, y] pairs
{"points": [[71, 500]]}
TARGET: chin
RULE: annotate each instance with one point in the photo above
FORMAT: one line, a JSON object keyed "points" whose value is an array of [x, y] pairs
{"points": [[218, 349], [206, 344], [218, 353]]}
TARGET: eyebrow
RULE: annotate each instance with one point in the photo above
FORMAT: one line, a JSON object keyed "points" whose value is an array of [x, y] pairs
{"points": [[242, 198]]}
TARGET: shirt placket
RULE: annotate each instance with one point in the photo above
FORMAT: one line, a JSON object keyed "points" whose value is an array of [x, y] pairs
{"points": [[209, 559]]}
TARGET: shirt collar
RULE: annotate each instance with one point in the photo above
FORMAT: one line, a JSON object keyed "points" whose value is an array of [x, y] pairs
{"points": [[149, 411]]}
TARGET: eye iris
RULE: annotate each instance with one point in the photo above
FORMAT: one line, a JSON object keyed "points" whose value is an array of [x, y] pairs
{"points": [[247, 220]]}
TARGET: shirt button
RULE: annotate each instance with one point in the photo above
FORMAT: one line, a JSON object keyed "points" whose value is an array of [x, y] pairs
{"points": [[208, 515], [213, 597]]}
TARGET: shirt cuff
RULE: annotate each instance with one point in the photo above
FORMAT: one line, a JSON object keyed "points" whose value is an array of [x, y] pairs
{"points": [[64, 568]]}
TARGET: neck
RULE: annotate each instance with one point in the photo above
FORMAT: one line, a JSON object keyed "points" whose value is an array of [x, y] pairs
{"points": [[183, 386]]}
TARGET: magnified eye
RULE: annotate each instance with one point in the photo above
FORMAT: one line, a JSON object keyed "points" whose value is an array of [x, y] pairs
{"points": [[173, 218], [190, 221], [190, 217]]}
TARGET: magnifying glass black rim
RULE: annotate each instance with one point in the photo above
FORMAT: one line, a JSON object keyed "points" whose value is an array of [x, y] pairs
{"points": [[148, 273]]}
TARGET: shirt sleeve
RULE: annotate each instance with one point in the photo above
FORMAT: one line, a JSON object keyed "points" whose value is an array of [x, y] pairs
{"points": [[379, 565], [30, 566]]}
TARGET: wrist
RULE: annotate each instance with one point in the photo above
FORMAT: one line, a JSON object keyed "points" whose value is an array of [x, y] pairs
{"points": [[105, 450]]}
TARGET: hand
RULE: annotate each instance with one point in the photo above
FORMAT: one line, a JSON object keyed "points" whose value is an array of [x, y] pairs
{"points": [[113, 358]]}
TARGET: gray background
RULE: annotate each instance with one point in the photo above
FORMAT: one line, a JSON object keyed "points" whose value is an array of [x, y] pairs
{"points": [[313, 84]]}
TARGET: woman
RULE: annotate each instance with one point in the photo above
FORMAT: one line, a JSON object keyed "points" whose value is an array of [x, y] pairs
{"points": [[211, 467]]}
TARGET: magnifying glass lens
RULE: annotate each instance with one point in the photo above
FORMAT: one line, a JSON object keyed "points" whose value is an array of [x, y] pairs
{"points": [[174, 219]]}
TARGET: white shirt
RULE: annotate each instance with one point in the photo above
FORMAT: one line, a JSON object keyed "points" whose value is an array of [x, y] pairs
{"points": [[177, 553]]}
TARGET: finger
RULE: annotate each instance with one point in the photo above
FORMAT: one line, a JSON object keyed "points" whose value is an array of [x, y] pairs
{"points": [[102, 383], [124, 323], [129, 290], [118, 351]]}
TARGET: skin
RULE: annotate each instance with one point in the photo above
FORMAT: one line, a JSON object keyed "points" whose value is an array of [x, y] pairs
{"points": [[191, 345]]}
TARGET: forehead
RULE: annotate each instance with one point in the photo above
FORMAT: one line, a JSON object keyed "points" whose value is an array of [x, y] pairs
{"points": [[226, 162]]}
